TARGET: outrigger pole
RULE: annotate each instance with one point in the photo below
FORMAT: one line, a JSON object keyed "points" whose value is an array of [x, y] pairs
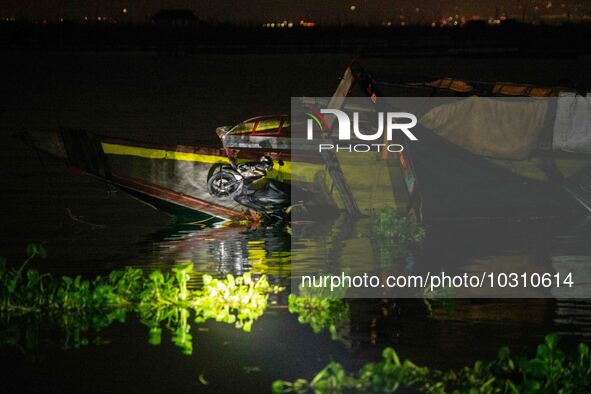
{"points": [[329, 157]]}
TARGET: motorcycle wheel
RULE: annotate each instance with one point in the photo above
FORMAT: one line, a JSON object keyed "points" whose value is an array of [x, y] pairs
{"points": [[223, 184]]}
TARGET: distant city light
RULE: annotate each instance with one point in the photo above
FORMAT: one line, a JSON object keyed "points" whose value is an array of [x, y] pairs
{"points": [[289, 24], [414, 14]]}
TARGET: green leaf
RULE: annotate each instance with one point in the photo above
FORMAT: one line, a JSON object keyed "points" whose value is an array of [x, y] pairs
{"points": [[278, 386], [36, 250], [202, 379]]}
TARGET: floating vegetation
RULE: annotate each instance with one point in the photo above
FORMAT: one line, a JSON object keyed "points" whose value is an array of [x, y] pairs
{"points": [[393, 235], [76, 305], [550, 370], [388, 223], [321, 313]]}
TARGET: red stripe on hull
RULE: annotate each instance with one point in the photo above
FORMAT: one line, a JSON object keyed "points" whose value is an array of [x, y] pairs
{"points": [[178, 198]]}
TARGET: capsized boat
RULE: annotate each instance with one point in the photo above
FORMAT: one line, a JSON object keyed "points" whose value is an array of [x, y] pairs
{"points": [[190, 181], [173, 178], [436, 178]]}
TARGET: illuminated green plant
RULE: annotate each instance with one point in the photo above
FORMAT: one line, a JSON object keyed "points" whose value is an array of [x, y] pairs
{"points": [[321, 313], [234, 300], [77, 306], [183, 274]]}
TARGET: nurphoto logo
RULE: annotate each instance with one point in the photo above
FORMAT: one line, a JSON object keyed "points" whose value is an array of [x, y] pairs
{"points": [[390, 121]]}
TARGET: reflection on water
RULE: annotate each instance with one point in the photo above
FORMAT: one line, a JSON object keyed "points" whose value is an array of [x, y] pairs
{"points": [[534, 247], [278, 342], [290, 332], [344, 245], [222, 250], [526, 246], [511, 246], [78, 309]]}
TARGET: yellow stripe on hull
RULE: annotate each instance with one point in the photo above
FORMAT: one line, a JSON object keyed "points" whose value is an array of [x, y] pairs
{"points": [[151, 153], [162, 154]]}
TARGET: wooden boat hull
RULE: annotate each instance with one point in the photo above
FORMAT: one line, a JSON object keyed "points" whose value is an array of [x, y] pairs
{"points": [[173, 179], [445, 181]]}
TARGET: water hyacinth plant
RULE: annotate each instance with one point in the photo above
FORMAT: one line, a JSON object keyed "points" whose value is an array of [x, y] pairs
{"points": [[550, 370], [394, 235], [321, 313], [388, 223], [77, 305]]}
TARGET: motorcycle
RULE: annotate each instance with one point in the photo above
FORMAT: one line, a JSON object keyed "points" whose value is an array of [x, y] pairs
{"points": [[245, 184], [226, 181]]}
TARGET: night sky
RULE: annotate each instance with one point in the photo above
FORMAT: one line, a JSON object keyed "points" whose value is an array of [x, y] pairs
{"points": [[321, 11]]}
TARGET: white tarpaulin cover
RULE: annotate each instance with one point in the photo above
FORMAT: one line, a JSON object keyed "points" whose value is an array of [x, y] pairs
{"points": [[572, 127], [493, 127]]}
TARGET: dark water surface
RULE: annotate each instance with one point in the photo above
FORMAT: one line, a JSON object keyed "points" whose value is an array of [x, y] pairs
{"points": [[88, 228]]}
